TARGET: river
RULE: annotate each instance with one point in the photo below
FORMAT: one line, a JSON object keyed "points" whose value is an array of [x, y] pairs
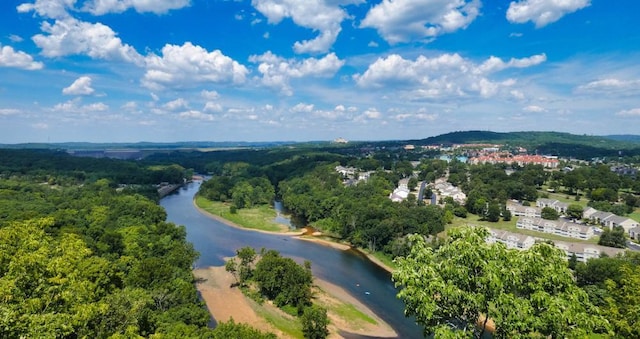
{"points": [[348, 269]]}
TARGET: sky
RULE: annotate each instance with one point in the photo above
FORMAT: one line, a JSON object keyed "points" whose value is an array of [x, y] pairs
{"points": [[308, 70]]}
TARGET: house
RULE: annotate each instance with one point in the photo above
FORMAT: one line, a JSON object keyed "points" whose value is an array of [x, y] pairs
{"points": [[402, 192], [559, 227], [444, 189], [510, 239], [609, 220], [560, 207], [634, 233], [584, 252], [518, 210]]}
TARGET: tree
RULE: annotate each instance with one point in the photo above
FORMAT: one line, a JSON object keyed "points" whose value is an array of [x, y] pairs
{"points": [[232, 267], [493, 212], [549, 213], [613, 238], [246, 255], [314, 322], [525, 293], [574, 211], [506, 215]]}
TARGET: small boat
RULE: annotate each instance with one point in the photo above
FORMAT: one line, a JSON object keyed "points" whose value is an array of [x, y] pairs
{"points": [[367, 293]]}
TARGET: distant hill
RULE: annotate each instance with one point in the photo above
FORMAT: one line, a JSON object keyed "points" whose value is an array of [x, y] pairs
{"points": [[624, 137]]}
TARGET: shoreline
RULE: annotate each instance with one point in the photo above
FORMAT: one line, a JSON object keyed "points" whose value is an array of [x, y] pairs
{"points": [[225, 302], [299, 235]]}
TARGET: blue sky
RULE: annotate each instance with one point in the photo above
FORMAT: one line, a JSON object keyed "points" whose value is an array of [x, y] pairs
{"points": [[299, 70]]}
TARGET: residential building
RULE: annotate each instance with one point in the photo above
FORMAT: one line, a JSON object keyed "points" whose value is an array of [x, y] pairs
{"points": [[442, 188], [559, 227], [609, 220], [518, 210], [560, 207], [582, 251]]}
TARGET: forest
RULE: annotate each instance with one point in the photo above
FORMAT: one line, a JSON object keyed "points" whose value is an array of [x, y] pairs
{"points": [[86, 250]]}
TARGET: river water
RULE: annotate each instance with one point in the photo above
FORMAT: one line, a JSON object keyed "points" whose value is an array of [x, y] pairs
{"points": [[367, 282]]}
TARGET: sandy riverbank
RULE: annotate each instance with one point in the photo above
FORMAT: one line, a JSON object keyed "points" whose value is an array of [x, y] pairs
{"points": [[225, 302]]}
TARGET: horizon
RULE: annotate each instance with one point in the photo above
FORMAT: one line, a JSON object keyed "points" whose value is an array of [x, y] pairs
{"points": [[308, 71]]}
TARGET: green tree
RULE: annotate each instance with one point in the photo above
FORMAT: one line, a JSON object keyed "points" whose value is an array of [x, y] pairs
{"points": [[525, 293], [246, 255], [549, 213], [613, 238], [574, 211], [314, 322]]}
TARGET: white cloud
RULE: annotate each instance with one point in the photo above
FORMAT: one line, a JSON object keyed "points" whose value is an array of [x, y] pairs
{"points": [[446, 75], [40, 125], [372, 44], [323, 16], [534, 109], [70, 36], [82, 86], [543, 12], [130, 106], [17, 59], [209, 95], [407, 20], [15, 38], [9, 111], [186, 65], [635, 112], [302, 108], [494, 64], [196, 115], [277, 71], [55, 9], [177, 104], [212, 107], [611, 86], [73, 106]]}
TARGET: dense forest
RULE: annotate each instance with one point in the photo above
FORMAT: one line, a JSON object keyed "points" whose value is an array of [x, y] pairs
{"points": [[82, 258], [86, 250]]}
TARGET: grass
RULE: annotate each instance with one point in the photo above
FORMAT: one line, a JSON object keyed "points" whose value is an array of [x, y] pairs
{"points": [[635, 215], [280, 320], [385, 258], [258, 218], [351, 313]]}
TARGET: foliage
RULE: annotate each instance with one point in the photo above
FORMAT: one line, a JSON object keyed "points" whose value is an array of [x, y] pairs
{"points": [[231, 329], [613, 238], [525, 293], [549, 213], [283, 280], [314, 322], [574, 211]]}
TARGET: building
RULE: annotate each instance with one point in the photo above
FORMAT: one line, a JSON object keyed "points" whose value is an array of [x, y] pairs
{"points": [[560, 227], [510, 239], [518, 210], [444, 189], [582, 251], [560, 207], [609, 220]]}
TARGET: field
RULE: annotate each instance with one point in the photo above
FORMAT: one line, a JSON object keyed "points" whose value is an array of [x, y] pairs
{"points": [[258, 218]]}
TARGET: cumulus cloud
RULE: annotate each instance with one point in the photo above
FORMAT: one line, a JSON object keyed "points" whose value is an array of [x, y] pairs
{"points": [[323, 16], [210, 106], [494, 64], [209, 95], [302, 108], [17, 59], [15, 38], [70, 36], [196, 115], [9, 111], [441, 76], [186, 65], [543, 12], [534, 109], [177, 104], [82, 86], [634, 112], [74, 106], [277, 71], [55, 9], [611, 86], [407, 20], [100, 7]]}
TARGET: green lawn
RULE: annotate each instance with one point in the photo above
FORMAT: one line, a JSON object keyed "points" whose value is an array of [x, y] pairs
{"points": [[258, 218], [635, 215]]}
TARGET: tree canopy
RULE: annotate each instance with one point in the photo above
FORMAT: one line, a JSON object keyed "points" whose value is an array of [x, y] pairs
{"points": [[465, 283]]}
